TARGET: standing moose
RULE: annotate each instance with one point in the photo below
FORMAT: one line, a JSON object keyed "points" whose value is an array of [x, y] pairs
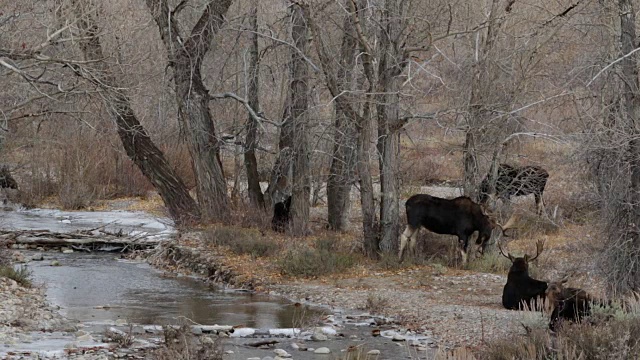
{"points": [[517, 181], [459, 216]]}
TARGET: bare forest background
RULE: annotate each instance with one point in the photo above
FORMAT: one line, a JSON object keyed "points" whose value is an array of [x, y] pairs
{"points": [[224, 108]]}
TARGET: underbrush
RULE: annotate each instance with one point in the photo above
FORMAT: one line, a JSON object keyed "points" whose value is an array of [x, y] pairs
{"points": [[323, 258], [21, 275], [242, 241], [607, 334], [181, 344], [490, 262]]}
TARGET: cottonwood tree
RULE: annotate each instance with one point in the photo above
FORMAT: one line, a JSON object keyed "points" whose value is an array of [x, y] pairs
{"points": [[75, 21], [137, 143], [507, 56], [256, 198], [346, 105], [186, 53], [299, 117], [343, 160], [613, 147], [386, 36]]}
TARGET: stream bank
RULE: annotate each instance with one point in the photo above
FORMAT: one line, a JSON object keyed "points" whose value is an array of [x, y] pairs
{"points": [[53, 332]]}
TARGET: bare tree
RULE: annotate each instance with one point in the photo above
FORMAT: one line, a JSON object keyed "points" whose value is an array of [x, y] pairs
{"points": [[615, 157], [479, 112], [94, 70], [346, 104], [299, 97], [135, 139], [344, 149], [256, 197], [186, 54]]}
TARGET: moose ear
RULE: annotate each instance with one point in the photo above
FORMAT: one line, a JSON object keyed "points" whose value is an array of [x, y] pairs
{"points": [[526, 258]]}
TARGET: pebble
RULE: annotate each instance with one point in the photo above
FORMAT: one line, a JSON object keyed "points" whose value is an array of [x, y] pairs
{"points": [[282, 353], [373, 352], [319, 337], [322, 350], [37, 257]]}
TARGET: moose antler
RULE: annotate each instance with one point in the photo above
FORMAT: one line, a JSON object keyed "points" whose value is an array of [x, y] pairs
{"points": [[539, 249], [509, 225], [507, 255]]}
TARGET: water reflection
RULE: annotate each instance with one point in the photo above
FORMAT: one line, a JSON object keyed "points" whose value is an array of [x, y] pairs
{"points": [[137, 293]]}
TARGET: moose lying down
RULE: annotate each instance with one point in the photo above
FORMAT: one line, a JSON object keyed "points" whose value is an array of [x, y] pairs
{"points": [[460, 216], [522, 292], [570, 304]]}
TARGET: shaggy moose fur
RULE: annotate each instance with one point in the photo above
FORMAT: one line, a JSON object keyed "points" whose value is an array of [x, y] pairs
{"points": [[521, 290], [459, 216], [280, 218], [517, 181]]}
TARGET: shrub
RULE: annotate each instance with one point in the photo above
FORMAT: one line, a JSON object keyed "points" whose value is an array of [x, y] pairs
{"points": [[123, 339], [181, 344], [323, 259], [490, 262], [21, 275], [376, 303], [390, 261], [617, 338], [242, 241]]}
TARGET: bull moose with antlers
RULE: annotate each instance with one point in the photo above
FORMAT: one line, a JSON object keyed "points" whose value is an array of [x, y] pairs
{"points": [[460, 216], [521, 290]]}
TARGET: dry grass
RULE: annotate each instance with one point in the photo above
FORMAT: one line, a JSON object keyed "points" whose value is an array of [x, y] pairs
{"points": [[242, 241], [376, 303], [122, 338], [181, 344], [609, 333], [322, 259], [22, 275]]}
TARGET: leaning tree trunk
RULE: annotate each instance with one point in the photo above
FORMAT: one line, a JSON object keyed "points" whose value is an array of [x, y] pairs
{"points": [[186, 56], [135, 140], [342, 163], [256, 197], [301, 187]]}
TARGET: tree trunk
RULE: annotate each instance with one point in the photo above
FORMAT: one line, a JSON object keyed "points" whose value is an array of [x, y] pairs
{"points": [[301, 187], [137, 143], [346, 105], [476, 113], [631, 91], [342, 162], [390, 67], [186, 56], [256, 197], [371, 239]]}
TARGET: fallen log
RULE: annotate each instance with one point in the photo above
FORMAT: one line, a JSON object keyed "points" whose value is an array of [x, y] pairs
{"points": [[79, 239]]}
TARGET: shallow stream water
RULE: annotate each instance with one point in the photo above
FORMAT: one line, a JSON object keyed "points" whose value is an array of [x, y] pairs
{"points": [[99, 287]]}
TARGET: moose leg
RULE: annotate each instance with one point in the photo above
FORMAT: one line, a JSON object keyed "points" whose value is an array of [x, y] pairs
{"points": [[539, 204], [463, 244], [413, 239], [407, 236]]}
